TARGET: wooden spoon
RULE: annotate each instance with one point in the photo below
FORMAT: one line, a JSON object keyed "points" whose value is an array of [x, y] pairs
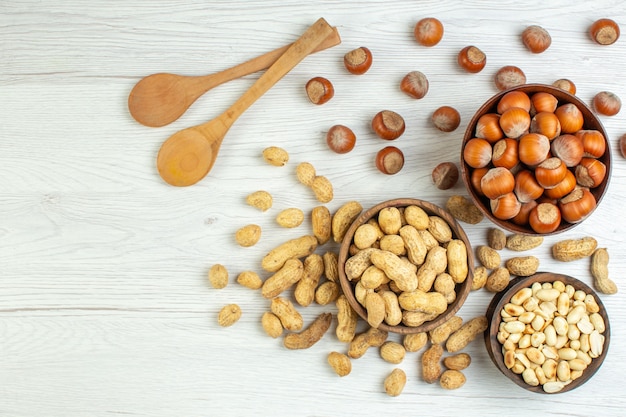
{"points": [[159, 99], [188, 155]]}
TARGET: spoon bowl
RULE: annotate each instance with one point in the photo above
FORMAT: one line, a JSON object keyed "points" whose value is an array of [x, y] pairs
{"points": [[160, 99], [187, 156]]}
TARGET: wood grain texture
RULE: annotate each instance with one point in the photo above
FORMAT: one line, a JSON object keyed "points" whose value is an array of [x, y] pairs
{"points": [[104, 304]]}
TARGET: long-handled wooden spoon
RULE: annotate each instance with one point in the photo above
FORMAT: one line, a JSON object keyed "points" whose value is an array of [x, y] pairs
{"points": [[188, 155], [159, 99]]}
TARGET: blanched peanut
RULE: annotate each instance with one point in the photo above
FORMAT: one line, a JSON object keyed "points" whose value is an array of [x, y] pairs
{"points": [[548, 334]]}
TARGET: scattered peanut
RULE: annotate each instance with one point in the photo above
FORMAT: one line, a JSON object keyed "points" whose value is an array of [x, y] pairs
{"points": [[498, 279], [600, 272], [311, 335], [271, 324], [457, 362], [340, 363], [413, 342], [313, 268], [290, 217], [440, 334], [488, 257], [431, 368], [327, 293], [218, 276], [261, 200], [294, 248], [289, 317], [346, 320], [248, 235], [250, 279], [395, 382], [520, 243], [466, 333], [522, 266], [305, 172], [496, 238], [574, 249], [452, 379], [288, 275], [392, 352], [276, 156], [464, 210], [322, 188], [331, 266], [229, 315], [321, 221], [480, 278], [343, 218]]}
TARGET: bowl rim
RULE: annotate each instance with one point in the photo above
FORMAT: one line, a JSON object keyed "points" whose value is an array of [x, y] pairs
{"points": [[462, 289], [562, 96], [494, 347]]}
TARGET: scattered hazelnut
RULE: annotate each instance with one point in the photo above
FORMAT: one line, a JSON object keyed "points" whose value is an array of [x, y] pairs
{"points": [[472, 59], [388, 125], [358, 61], [446, 118], [566, 85], [508, 77], [414, 84], [340, 139], [445, 175], [389, 160], [428, 31], [319, 90], [607, 103], [604, 31], [536, 39]]}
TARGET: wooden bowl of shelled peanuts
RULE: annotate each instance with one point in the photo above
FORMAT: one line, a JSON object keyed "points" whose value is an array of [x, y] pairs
{"points": [[536, 160], [405, 266], [548, 333]]}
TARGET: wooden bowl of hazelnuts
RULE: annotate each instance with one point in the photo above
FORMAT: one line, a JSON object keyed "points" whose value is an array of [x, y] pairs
{"points": [[405, 266], [536, 160]]}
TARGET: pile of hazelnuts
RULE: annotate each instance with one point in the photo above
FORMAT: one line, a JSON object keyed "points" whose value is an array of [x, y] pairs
{"points": [[535, 162], [428, 32]]}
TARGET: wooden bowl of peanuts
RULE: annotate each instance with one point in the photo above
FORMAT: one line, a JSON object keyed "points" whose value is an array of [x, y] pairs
{"points": [[548, 333], [405, 266]]}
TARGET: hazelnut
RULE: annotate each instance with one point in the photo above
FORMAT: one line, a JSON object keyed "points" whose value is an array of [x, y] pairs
{"points": [[358, 61], [388, 125], [445, 175]]}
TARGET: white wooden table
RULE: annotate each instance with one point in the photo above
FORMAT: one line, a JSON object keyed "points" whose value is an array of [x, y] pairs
{"points": [[104, 304]]}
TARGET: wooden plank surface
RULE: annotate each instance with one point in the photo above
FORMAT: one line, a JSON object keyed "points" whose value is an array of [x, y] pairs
{"points": [[104, 304]]}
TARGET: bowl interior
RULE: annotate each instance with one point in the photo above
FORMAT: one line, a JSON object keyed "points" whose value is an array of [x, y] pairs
{"points": [[591, 122], [462, 290], [494, 347]]}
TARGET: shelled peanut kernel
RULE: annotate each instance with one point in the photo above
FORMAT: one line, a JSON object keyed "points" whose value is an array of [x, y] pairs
{"points": [[549, 335]]}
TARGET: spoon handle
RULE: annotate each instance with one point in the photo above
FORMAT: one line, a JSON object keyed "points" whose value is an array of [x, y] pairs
{"points": [[302, 47], [208, 82]]}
